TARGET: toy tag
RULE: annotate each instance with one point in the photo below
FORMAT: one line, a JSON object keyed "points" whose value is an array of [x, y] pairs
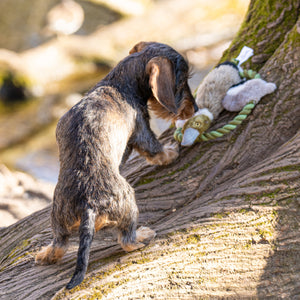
{"points": [[244, 55]]}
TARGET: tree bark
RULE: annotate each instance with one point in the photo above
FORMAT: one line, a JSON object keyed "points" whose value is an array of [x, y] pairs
{"points": [[226, 213]]}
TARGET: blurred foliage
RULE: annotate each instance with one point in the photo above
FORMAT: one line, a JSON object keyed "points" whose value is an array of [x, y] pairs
{"points": [[22, 28], [46, 73], [13, 89]]}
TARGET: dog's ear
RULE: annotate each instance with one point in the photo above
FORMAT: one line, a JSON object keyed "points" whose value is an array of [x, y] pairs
{"points": [[162, 81], [139, 47]]}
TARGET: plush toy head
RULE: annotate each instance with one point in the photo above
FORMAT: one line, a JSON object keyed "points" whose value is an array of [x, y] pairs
{"points": [[252, 90], [194, 127]]}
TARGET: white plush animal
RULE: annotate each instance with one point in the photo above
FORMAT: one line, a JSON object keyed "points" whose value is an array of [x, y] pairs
{"points": [[251, 90], [215, 85], [209, 98], [221, 88]]}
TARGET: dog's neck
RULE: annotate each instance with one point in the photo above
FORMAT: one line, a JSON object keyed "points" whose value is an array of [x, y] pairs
{"points": [[130, 79]]}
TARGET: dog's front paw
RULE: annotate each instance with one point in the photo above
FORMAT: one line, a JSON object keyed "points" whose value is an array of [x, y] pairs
{"points": [[169, 154]]}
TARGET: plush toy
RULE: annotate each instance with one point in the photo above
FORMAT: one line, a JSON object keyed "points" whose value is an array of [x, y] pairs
{"points": [[209, 98], [238, 96], [222, 88]]}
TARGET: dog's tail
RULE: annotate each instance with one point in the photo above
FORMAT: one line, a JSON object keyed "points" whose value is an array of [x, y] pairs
{"points": [[86, 231]]}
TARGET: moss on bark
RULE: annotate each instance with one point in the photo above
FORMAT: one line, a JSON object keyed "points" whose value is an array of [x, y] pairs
{"points": [[264, 29]]}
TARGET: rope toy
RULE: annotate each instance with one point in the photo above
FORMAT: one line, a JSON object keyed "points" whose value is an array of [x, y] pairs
{"points": [[227, 86], [206, 136]]}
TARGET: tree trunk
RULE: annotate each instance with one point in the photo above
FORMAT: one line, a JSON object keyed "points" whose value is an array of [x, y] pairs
{"points": [[226, 212]]}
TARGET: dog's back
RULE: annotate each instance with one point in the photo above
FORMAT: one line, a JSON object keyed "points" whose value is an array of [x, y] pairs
{"points": [[96, 130], [97, 134], [92, 138]]}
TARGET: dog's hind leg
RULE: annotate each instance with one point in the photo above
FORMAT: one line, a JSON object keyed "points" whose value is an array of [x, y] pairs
{"points": [[131, 238], [56, 250], [86, 234]]}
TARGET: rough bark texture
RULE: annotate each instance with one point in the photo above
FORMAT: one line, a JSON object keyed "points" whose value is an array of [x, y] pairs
{"points": [[227, 212]]}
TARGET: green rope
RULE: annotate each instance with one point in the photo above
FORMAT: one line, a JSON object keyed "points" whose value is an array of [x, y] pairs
{"points": [[246, 74], [243, 114], [228, 127]]}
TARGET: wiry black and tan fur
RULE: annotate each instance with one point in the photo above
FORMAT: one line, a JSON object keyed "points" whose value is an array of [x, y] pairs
{"points": [[98, 134]]}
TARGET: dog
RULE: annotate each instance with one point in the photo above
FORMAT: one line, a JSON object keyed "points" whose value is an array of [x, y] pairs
{"points": [[98, 134]]}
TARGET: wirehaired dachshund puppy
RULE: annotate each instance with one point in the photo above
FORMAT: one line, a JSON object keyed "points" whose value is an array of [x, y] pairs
{"points": [[98, 134]]}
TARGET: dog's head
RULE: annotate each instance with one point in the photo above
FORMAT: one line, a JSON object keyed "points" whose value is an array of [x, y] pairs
{"points": [[167, 74]]}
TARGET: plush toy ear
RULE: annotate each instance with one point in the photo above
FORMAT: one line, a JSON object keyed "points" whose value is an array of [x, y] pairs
{"points": [[139, 47], [162, 81]]}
